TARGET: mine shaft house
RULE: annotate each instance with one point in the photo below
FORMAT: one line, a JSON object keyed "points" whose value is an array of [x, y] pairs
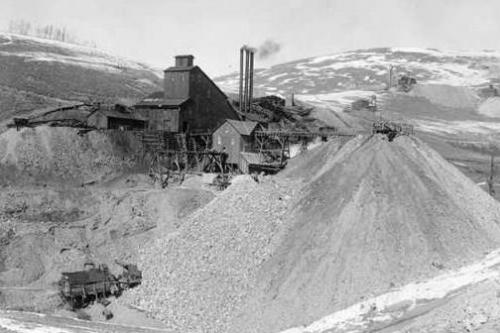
{"points": [[190, 101]]}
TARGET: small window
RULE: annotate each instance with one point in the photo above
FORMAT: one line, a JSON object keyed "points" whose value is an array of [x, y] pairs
{"points": [[232, 142], [219, 140]]}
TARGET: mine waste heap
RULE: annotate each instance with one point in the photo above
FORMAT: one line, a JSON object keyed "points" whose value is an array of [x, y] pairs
{"points": [[343, 222]]}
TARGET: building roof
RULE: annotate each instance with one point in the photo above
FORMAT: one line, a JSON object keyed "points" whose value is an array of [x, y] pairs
{"points": [[243, 127], [179, 69], [156, 94], [161, 102]]}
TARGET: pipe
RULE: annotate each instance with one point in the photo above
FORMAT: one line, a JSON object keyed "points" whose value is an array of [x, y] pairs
{"points": [[241, 78], [250, 89], [247, 65]]}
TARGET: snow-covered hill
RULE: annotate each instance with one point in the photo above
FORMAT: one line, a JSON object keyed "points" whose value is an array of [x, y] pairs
{"points": [[37, 73], [369, 69]]}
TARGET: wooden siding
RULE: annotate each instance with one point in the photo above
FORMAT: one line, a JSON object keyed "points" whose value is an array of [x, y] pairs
{"points": [[176, 84], [225, 138], [161, 119], [210, 107]]}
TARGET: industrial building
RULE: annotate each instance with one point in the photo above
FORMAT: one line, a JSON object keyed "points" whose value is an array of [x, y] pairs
{"points": [[190, 101]]}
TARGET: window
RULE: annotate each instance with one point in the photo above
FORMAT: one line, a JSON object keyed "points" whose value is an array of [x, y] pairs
{"points": [[219, 140], [232, 142]]}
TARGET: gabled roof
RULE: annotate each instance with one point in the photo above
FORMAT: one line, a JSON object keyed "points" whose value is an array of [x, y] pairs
{"points": [[243, 127]]}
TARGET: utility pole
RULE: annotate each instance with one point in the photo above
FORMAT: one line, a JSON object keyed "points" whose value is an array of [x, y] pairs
{"points": [[491, 188], [391, 68]]}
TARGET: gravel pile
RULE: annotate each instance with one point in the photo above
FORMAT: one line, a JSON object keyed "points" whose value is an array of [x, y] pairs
{"points": [[376, 216], [344, 223], [195, 279]]}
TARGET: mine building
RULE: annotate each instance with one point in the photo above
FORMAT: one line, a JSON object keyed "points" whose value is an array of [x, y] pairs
{"points": [[190, 101]]}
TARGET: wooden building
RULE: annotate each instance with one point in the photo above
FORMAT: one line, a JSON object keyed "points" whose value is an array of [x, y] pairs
{"points": [[190, 101], [116, 117], [234, 137]]}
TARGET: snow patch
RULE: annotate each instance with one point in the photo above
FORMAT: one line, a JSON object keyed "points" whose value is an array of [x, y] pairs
{"points": [[434, 288]]}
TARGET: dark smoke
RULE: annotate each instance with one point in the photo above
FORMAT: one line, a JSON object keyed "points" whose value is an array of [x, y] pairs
{"points": [[268, 48]]}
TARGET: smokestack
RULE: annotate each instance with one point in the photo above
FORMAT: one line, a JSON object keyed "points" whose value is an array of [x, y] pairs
{"points": [[250, 88], [242, 49], [247, 55], [247, 65]]}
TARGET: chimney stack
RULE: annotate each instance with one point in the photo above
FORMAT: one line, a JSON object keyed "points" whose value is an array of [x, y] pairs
{"points": [[246, 79]]}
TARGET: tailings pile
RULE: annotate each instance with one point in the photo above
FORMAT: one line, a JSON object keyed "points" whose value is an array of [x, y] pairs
{"points": [[264, 257]]}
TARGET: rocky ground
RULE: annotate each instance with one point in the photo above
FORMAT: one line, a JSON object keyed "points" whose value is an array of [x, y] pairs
{"points": [[66, 199]]}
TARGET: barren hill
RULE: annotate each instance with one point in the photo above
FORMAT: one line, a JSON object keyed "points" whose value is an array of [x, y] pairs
{"points": [[369, 69], [37, 73], [373, 216]]}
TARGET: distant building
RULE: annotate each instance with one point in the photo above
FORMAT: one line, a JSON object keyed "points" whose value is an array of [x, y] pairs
{"points": [[190, 101]]}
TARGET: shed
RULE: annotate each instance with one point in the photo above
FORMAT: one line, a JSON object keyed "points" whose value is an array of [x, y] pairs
{"points": [[234, 137], [116, 119]]}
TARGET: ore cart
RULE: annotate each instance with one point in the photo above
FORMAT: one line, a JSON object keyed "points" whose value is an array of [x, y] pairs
{"points": [[80, 288]]}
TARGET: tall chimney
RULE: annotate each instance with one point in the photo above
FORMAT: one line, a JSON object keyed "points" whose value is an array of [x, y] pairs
{"points": [[250, 88], [242, 50], [247, 65]]}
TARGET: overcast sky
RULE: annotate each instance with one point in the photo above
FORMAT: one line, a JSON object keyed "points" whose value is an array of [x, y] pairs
{"points": [[154, 31]]}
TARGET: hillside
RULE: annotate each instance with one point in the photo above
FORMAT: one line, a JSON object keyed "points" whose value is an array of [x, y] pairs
{"points": [[37, 73], [369, 70], [449, 106]]}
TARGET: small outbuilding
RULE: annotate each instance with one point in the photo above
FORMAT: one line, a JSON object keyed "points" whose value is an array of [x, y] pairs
{"points": [[234, 137]]}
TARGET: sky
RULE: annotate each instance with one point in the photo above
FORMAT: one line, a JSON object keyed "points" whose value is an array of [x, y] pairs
{"points": [[154, 31]]}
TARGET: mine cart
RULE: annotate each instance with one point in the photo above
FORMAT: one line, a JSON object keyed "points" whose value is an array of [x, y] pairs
{"points": [[79, 288], [94, 284]]}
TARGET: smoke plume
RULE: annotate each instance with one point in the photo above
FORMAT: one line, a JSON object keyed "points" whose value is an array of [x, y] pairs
{"points": [[268, 48]]}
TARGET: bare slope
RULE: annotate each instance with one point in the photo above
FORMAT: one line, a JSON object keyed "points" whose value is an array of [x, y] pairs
{"points": [[369, 69], [263, 257], [37, 73], [45, 155]]}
